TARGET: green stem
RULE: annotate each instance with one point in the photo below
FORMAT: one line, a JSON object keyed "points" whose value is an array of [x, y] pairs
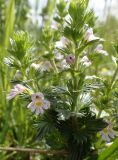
{"points": [[74, 103], [113, 78], [76, 56], [76, 62], [74, 94], [54, 65], [74, 78]]}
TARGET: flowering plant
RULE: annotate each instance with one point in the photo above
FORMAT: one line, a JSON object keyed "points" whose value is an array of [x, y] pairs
{"points": [[62, 83]]}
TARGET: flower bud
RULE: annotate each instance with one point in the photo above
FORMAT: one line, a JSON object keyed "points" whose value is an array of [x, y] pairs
{"points": [[99, 49], [70, 59], [18, 75]]}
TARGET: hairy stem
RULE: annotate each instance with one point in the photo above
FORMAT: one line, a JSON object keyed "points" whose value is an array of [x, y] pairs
{"points": [[56, 152], [113, 78], [54, 65]]}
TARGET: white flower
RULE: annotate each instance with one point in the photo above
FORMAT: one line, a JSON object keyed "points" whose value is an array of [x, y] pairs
{"points": [[59, 44], [35, 66], [62, 43], [46, 66], [54, 25], [38, 104], [58, 56], [64, 65], [18, 89], [85, 61], [108, 133], [89, 36], [99, 49]]}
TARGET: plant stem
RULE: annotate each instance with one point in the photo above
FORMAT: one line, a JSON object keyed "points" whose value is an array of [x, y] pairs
{"points": [[75, 67], [56, 152], [54, 65], [113, 78]]}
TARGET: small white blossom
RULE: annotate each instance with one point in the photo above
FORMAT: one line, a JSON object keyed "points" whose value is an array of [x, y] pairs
{"points": [[108, 133], [46, 66], [89, 36], [58, 56], [38, 104], [62, 43], [99, 49], [85, 61], [59, 44], [64, 65], [35, 66], [18, 89], [54, 25]]}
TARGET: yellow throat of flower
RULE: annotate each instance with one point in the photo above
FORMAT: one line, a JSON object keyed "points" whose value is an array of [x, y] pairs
{"points": [[39, 103], [106, 131]]}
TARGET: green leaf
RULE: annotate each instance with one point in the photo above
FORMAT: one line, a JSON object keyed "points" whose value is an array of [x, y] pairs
{"points": [[66, 114], [61, 8], [116, 47], [87, 44], [46, 124], [81, 127], [9, 23], [107, 153], [77, 10], [72, 33], [12, 62]]}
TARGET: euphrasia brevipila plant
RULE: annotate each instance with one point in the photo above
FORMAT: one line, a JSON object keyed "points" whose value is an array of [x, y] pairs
{"points": [[60, 82]]}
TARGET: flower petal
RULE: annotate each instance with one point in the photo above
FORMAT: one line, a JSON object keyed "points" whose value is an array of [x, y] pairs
{"points": [[111, 133], [12, 94], [105, 137], [39, 111], [20, 88], [31, 106], [36, 96], [46, 104]]}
